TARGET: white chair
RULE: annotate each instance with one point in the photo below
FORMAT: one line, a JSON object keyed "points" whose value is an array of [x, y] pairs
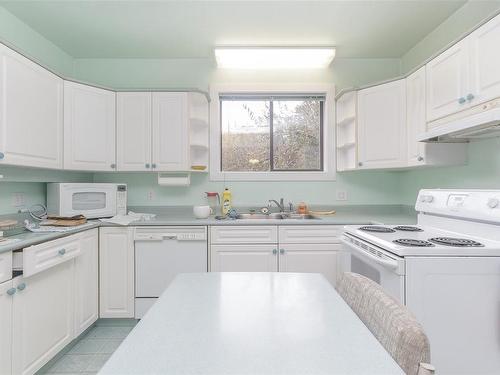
{"points": [[391, 323]]}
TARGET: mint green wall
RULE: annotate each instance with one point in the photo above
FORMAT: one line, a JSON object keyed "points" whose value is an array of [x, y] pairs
{"points": [[375, 187], [483, 168], [16, 33], [482, 172], [459, 23]]}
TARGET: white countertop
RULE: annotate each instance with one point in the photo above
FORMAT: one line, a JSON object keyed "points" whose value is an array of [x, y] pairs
{"points": [[250, 323]]}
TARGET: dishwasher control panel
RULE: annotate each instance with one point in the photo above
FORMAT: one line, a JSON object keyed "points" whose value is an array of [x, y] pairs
{"points": [[191, 236], [171, 233]]}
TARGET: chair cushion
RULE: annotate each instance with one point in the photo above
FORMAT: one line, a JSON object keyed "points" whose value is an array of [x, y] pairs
{"points": [[394, 326]]}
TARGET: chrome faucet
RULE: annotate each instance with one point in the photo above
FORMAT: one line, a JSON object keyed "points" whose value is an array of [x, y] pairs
{"points": [[280, 204]]}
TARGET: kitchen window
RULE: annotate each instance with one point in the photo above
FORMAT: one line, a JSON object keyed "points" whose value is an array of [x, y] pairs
{"points": [[281, 135]]}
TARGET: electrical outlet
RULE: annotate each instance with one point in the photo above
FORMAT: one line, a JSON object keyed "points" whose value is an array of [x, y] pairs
{"points": [[18, 200], [341, 195], [151, 195]]}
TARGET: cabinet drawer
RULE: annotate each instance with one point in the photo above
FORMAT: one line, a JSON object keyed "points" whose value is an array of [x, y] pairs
{"points": [[5, 266], [244, 234], [310, 234], [40, 257]]}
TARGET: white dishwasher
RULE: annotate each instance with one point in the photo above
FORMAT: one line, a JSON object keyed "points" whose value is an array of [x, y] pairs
{"points": [[161, 253]]}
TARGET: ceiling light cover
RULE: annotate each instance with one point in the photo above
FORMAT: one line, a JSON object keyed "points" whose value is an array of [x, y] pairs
{"points": [[274, 57]]}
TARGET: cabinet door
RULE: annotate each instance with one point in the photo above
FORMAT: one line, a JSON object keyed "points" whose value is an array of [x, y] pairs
{"points": [[89, 128], [244, 234], [6, 327], [43, 317], [170, 131], [31, 108], [485, 62], [448, 82], [415, 116], [133, 131], [382, 126], [313, 258], [86, 281], [457, 301], [116, 273], [244, 258]]}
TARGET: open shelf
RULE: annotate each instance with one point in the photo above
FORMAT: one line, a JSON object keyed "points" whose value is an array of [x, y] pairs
{"points": [[199, 131], [347, 132]]}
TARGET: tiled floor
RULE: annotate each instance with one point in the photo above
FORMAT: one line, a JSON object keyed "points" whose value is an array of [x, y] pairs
{"points": [[88, 354]]}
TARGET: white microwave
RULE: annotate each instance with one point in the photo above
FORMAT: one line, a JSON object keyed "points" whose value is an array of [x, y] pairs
{"points": [[92, 200]]}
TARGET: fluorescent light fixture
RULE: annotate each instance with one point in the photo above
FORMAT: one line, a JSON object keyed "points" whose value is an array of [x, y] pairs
{"points": [[274, 57]]}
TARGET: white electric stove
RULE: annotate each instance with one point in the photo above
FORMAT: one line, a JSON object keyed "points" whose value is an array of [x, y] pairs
{"points": [[446, 269]]}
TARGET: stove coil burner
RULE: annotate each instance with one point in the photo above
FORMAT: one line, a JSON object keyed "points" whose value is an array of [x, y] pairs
{"points": [[456, 242], [377, 229], [412, 242], [408, 228]]}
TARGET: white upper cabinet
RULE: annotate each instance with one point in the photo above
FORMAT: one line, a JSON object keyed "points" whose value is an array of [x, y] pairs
{"points": [[89, 128], [382, 126], [485, 62], [466, 74], [447, 82], [170, 131], [133, 131], [415, 116], [31, 113], [420, 153]]}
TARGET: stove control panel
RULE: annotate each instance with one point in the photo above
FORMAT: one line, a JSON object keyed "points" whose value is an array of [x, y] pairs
{"points": [[468, 204]]}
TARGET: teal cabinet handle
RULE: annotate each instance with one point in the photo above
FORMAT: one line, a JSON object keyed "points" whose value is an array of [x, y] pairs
{"points": [[470, 97], [11, 291], [21, 286], [2, 155], [461, 100], [62, 251], [282, 251], [275, 251]]}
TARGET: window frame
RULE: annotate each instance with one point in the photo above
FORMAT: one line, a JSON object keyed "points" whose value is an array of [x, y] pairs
{"points": [[328, 132]]}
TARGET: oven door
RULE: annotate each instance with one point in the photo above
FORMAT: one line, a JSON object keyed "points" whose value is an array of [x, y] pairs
{"points": [[383, 267], [91, 200]]}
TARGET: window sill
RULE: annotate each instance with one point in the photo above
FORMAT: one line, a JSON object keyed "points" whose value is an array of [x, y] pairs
{"points": [[271, 176]]}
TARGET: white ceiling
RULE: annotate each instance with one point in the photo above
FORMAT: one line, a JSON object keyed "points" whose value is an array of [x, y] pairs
{"points": [[190, 29]]}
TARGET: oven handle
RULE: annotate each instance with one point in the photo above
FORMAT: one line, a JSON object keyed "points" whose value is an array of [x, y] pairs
{"points": [[384, 262]]}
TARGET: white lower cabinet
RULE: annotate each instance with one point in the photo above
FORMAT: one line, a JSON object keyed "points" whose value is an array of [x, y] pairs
{"points": [[245, 258], [313, 258], [42, 317], [6, 299], [87, 281], [116, 271], [289, 248]]}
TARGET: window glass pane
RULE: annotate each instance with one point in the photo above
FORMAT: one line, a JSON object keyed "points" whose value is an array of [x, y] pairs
{"points": [[245, 133], [297, 135]]}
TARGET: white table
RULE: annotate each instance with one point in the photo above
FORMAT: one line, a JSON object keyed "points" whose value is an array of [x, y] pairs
{"points": [[250, 323]]}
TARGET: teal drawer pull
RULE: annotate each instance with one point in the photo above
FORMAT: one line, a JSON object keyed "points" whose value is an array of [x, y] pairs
{"points": [[11, 291], [62, 251], [21, 286]]}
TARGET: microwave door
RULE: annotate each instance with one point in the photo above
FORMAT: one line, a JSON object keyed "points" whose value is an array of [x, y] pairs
{"points": [[92, 202]]}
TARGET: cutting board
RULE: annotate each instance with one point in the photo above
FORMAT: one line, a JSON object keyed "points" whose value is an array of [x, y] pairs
{"points": [[59, 221]]}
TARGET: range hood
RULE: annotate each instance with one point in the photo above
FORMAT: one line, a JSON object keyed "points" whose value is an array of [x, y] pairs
{"points": [[479, 122]]}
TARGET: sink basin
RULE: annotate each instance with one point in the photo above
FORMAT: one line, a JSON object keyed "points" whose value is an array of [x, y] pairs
{"points": [[300, 217], [275, 216]]}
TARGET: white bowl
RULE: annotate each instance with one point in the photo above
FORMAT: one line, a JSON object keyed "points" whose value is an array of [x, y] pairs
{"points": [[201, 212]]}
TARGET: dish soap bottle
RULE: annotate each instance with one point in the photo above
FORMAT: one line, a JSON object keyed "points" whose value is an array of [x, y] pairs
{"points": [[226, 201]]}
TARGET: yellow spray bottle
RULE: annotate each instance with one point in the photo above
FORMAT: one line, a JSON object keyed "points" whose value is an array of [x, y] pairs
{"points": [[226, 201]]}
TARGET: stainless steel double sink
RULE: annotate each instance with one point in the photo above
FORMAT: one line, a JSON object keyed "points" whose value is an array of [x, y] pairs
{"points": [[276, 216]]}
